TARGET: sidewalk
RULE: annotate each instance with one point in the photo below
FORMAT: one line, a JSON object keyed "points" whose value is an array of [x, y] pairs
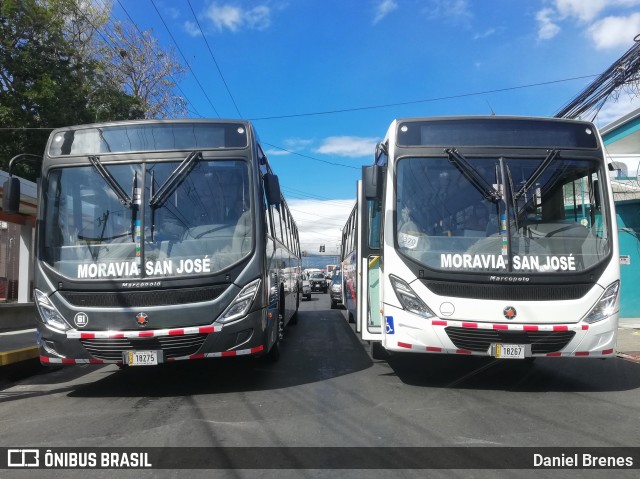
{"points": [[628, 346], [17, 346]]}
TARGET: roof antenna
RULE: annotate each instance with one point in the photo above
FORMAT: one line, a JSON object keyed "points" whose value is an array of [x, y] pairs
{"points": [[493, 113]]}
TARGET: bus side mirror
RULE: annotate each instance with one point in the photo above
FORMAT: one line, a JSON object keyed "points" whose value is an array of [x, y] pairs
{"points": [[11, 195], [272, 188], [372, 177]]}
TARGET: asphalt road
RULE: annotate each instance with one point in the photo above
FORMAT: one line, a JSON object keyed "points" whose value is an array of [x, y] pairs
{"points": [[327, 391]]}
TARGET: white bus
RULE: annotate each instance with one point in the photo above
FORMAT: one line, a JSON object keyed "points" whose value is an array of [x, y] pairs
{"points": [[160, 241], [491, 236]]}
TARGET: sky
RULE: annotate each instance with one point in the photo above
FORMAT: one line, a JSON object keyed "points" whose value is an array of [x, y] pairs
{"points": [[323, 79]]}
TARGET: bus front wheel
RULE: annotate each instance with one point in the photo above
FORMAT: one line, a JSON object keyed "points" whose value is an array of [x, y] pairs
{"points": [[378, 351]]}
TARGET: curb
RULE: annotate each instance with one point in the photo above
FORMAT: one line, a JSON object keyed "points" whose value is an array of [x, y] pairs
{"points": [[19, 355]]}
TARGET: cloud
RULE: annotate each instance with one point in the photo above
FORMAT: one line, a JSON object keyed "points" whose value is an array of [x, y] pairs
{"points": [[384, 8], [276, 152], [452, 9], [587, 12], [349, 146], [485, 34], [236, 18], [547, 29], [191, 28], [613, 32], [320, 222], [613, 110], [297, 143]]}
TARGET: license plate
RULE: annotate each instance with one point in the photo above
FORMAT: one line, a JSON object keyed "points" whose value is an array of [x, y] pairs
{"points": [[509, 351], [140, 358]]}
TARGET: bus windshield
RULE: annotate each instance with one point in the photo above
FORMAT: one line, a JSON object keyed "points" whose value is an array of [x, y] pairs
{"points": [[203, 226], [488, 214]]}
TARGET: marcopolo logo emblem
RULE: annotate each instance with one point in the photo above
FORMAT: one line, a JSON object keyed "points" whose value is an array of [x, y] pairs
{"points": [[142, 319], [81, 320], [509, 312]]}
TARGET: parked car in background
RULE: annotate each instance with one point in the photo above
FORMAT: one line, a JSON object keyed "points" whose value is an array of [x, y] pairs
{"points": [[306, 287], [318, 282], [335, 291]]}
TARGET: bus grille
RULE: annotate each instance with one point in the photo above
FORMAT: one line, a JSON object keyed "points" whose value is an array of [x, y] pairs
{"points": [[172, 346], [509, 292], [139, 299], [542, 342]]}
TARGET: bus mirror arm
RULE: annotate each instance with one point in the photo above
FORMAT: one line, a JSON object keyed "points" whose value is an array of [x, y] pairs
{"points": [[11, 187]]}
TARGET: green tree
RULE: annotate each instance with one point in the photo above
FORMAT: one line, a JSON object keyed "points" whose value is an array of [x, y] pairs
{"points": [[45, 82]]}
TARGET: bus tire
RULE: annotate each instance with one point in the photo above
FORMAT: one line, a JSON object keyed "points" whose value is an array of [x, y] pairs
{"points": [[273, 355], [294, 319], [378, 352], [334, 304]]}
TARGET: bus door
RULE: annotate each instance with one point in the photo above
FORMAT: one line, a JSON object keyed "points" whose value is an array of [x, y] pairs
{"points": [[369, 322]]}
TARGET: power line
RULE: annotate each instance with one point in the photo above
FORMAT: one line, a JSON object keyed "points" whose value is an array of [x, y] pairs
{"points": [[214, 59], [310, 157], [302, 195], [413, 102], [623, 71], [183, 57]]}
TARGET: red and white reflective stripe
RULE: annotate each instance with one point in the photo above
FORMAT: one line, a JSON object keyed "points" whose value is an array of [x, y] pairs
{"points": [[582, 354], [150, 333], [511, 326], [45, 359], [223, 354], [434, 349]]}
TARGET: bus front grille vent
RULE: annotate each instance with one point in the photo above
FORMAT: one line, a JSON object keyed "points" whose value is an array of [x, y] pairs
{"points": [[172, 346], [542, 342], [509, 292], [139, 299]]}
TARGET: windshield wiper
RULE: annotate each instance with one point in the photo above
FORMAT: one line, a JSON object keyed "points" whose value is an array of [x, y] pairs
{"points": [[111, 181], [168, 187], [487, 191], [175, 179], [514, 200], [552, 155]]}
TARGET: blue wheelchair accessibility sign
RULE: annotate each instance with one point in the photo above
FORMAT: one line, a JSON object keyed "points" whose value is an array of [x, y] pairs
{"points": [[389, 325]]}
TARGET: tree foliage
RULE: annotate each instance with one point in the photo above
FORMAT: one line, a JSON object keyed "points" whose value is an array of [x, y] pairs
{"points": [[60, 65], [140, 67]]}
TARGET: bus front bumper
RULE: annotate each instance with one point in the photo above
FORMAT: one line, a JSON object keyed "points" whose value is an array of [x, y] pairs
{"points": [[405, 332], [240, 338]]}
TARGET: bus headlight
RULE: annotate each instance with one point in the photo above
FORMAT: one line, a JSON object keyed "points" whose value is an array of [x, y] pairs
{"points": [[241, 304], [605, 305], [409, 299], [49, 314]]}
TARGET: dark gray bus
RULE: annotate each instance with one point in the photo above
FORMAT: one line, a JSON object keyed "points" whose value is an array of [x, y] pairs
{"points": [[159, 241]]}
